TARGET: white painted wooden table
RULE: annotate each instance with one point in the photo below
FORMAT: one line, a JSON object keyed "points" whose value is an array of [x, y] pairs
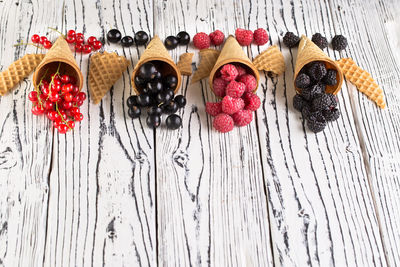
{"points": [[116, 193]]}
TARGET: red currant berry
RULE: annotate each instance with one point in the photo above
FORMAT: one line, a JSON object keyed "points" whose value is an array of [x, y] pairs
{"points": [[75, 90], [72, 80], [62, 128], [43, 97], [34, 110], [46, 91], [35, 38], [79, 39], [81, 96], [97, 45], [65, 79], [78, 47], [66, 88], [68, 97], [57, 80], [48, 105], [67, 105], [49, 115], [54, 96], [42, 39], [55, 76], [70, 39], [56, 124], [79, 103], [39, 109], [75, 110], [78, 116], [47, 44], [71, 124], [63, 114], [33, 96], [71, 33], [91, 40], [87, 49]]}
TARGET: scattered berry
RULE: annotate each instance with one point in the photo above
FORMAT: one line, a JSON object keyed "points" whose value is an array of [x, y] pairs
{"points": [[229, 72], [244, 37], [91, 40], [180, 100], [321, 102], [316, 70], [249, 81], [214, 108], [252, 101], [201, 40], [42, 39], [217, 37], [331, 114], [71, 33], [260, 36], [299, 102], [147, 71], [78, 47], [79, 38], [171, 81], [242, 117], [311, 92], [153, 121], [223, 123], [232, 105], [114, 35], [141, 38], [339, 42], [241, 71], [316, 122], [303, 80], [127, 41], [290, 39], [87, 49], [97, 45], [173, 122], [47, 44], [330, 77], [70, 39], [219, 86], [134, 112], [35, 38], [171, 42], [320, 40], [235, 89], [183, 38]]}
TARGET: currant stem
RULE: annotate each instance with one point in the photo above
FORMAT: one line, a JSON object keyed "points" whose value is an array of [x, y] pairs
{"points": [[54, 29], [62, 118], [22, 43], [37, 88], [52, 78]]}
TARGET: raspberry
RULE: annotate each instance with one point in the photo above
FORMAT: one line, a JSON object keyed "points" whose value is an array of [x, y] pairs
{"points": [[331, 114], [330, 77], [201, 40], [241, 70], [249, 81], [217, 37], [299, 102], [214, 108], [319, 40], [242, 117], [232, 105], [244, 37], [223, 123], [219, 86], [229, 72], [316, 70], [252, 101], [339, 42], [290, 39], [302, 80], [235, 89], [260, 36]]}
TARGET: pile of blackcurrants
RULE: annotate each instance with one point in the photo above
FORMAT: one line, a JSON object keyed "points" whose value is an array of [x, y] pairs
{"points": [[114, 36], [157, 96]]}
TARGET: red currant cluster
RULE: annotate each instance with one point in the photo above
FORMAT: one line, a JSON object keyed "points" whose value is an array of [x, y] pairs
{"points": [[60, 100], [79, 40], [36, 39]]}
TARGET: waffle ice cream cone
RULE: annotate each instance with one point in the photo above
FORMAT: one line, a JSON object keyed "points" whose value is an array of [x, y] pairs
{"points": [[18, 70], [270, 59], [309, 52], [185, 64], [362, 80], [156, 51], [59, 53], [104, 70], [232, 52], [208, 57]]}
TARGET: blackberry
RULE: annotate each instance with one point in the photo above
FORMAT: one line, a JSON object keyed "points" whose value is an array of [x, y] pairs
{"points": [[311, 92], [319, 40], [330, 77], [331, 114], [290, 39], [339, 42], [303, 80], [299, 102], [316, 123], [322, 86], [321, 102], [306, 111], [316, 70], [333, 99]]}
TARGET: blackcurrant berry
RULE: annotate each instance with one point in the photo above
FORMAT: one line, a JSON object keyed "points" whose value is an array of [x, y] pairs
{"points": [[170, 81], [171, 108], [180, 100], [163, 97], [141, 38], [154, 110], [134, 112], [132, 101], [139, 81], [183, 38], [127, 41], [153, 121], [158, 76], [173, 122], [143, 100], [154, 87], [171, 42], [113, 36], [147, 71], [170, 92]]}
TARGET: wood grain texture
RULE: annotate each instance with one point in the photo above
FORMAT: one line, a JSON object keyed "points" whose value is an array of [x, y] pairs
{"points": [[377, 129], [211, 199], [320, 204]]}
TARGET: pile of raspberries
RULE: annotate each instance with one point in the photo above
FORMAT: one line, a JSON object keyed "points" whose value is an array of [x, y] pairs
{"points": [[244, 37], [236, 87], [316, 106]]}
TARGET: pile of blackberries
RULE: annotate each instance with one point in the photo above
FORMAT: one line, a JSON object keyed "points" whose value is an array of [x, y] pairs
{"points": [[157, 96], [316, 106], [339, 42]]}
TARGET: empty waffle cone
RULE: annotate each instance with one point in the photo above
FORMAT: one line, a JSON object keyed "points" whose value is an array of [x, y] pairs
{"points": [[185, 64], [271, 59], [208, 57], [362, 80], [309, 52], [156, 51], [59, 53], [232, 52], [18, 70], [104, 70]]}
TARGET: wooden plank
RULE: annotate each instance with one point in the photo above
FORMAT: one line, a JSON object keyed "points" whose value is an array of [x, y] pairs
{"points": [[25, 141], [371, 46], [320, 204], [211, 199], [102, 202]]}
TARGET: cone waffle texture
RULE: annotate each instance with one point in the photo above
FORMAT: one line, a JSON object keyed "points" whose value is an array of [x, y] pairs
{"points": [[59, 53], [362, 80], [208, 57], [185, 64], [104, 70], [309, 52], [232, 52], [270, 59], [156, 51], [17, 71]]}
